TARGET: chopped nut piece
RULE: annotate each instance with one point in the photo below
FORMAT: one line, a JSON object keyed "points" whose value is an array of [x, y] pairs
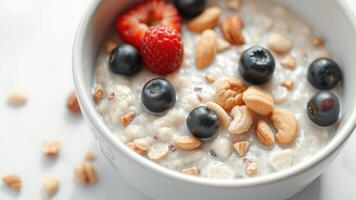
{"points": [[258, 100], [72, 103], [241, 147], [51, 148], [109, 46], [187, 142], [318, 41], [90, 156], [50, 186], [127, 118], [219, 170], [288, 84], [142, 144], [243, 119], [286, 124], [234, 5], [98, 93], [206, 49], [231, 28], [279, 43], [222, 147], [12, 181], [223, 116], [17, 98], [229, 93], [222, 45], [191, 171], [251, 169], [288, 62], [206, 20], [210, 78], [158, 151], [281, 159], [85, 173], [132, 146], [264, 133]]}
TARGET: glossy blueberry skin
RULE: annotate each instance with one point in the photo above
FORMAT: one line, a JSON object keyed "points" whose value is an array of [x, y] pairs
{"points": [[190, 8], [324, 73], [323, 108], [256, 65], [158, 95], [126, 60], [203, 123]]}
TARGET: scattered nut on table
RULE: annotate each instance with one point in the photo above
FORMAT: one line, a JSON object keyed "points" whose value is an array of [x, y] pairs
{"points": [[85, 173], [12, 181], [51, 147], [72, 103], [90, 156], [50, 186], [17, 98]]}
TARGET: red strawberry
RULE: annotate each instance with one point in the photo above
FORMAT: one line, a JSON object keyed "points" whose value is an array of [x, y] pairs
{"points": [[162, 50], [133, 23]]}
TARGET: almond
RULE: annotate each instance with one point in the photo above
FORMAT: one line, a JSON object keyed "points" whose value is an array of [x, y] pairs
{"points": [[264, 133], [206, 49], [206, 20], [258, 100], [279, 43], [231, 28], [187, 142], [241, 147], [222, 45], [12, 181], [158, 151]]}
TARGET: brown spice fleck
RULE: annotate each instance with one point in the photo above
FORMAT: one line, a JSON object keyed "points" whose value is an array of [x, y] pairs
{"points": [[12, 181], [127, 118], [72, 103], [51, 148]]}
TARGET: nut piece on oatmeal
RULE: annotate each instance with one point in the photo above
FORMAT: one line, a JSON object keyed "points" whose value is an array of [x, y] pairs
{"points": [[127, 118], [210, 78], [133, 146], [281, 159], [72, 103], [229, 93], [17, 98], [206, 20], [258, 100], [288, 62], [85, 173], [206, 49], [251, 169], [288, 84], [241, 147], [12, 181], [158, 151], [234, 5], [279, 43], [318, 41], [243, 119], [218, 170], [191, 170], [142, 144], [231, 28], [222, 147], [223, 116], [90, 156], [51, 148], [222, 45], [187, 142], [264, 133], [98, 93], [50, 186], [286, 125]]}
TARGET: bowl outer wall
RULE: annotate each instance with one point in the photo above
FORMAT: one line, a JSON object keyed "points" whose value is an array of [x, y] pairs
{"points": [[140, 171]]}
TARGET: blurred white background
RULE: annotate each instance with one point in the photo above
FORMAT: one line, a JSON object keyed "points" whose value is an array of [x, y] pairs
{"points": [[35, 55]]}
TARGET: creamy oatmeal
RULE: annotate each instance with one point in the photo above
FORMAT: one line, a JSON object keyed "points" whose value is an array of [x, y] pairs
{"points": [[250, 140]]}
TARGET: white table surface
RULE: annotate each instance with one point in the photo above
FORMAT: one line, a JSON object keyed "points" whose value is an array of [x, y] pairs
{"points": [[35, 55]]}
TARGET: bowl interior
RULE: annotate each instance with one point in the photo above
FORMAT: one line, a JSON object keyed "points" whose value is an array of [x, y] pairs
{"points": [[331, 18]]}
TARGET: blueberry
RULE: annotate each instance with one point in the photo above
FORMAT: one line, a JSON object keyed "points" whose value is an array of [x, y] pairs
{"points": [[323, 108], [126, 60], [203, 123], [324, 73], [158, 95], [189, 8], [256, 65]]}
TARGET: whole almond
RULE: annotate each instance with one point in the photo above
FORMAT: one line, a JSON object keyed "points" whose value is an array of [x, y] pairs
{"points": [[231, 28], [279, 43], [206, 20], [206, 49], [264, 133], [72, 103], [258, 100], [187, 142]]}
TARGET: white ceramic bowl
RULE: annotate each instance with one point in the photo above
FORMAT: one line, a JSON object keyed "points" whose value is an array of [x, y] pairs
{"points": [[331, 17]]}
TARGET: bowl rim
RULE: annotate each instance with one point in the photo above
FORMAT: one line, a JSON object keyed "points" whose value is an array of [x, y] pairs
{"points": [[94, 118]]}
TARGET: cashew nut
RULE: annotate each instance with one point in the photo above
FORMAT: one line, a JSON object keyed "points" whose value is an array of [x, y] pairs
{"points": [[286, 125], [242, 120], [264, 133], [223, 116]]}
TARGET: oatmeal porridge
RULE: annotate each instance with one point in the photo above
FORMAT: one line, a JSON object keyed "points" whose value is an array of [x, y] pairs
{"points": [[233, 92]]}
